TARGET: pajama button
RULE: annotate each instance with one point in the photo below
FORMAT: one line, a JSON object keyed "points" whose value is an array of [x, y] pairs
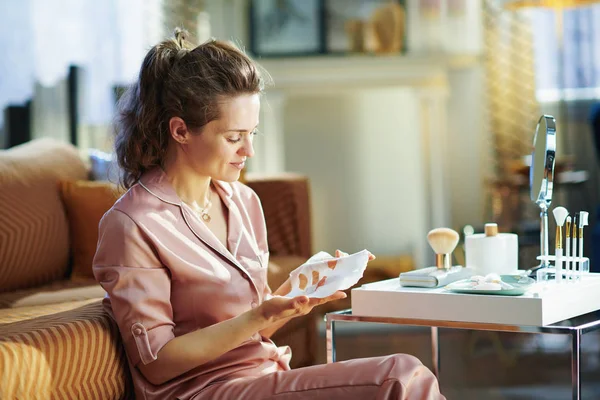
{"points": [[254, 304], [137, 331]]}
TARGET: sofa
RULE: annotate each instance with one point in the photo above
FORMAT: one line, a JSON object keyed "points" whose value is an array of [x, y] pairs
{"points": [[56, 341]]}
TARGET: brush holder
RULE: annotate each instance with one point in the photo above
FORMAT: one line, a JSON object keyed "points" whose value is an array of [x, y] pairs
{"points": [[573, 268]]}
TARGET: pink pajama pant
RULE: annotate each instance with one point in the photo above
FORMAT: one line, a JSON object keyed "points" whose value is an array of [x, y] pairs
{"points": [[394, 377]]}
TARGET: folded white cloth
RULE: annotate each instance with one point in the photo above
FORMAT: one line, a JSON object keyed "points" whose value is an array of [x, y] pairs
{"points": [[323, 275]]}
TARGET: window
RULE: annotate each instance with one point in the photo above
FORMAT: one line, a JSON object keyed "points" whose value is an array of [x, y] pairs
{"points": [[580, 58]]}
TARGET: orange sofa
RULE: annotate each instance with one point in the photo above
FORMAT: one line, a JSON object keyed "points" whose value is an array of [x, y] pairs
{"points": [[55, 339]]}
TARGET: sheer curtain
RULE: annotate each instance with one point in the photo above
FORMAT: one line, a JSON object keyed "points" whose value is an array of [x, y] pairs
{"points": [[580, 58], [40, 39]]}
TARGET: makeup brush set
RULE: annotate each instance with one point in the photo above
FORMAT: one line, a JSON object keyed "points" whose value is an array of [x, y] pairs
{"points": [[569, 262]]}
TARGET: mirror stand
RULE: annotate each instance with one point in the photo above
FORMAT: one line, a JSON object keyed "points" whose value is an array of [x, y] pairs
{"points": [[541, 180], [541, 269]]}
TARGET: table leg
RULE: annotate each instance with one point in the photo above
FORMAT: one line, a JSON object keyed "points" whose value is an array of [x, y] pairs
{"points": [[435, 351], [576, 364], [330, 339]]}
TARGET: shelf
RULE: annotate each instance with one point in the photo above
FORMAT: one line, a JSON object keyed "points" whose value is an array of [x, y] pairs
{"points": [[352, 71]]}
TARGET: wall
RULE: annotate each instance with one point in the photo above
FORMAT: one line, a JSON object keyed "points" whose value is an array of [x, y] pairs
{"points": [[470, 152], [363, 158]]}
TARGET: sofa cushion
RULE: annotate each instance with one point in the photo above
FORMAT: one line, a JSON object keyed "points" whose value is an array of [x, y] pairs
{"points": [[85, 203], [61, 291], [34, 234], [74, 353], [103, 166]]}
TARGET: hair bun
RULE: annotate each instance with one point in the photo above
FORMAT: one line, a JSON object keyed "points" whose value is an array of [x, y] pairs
{"points": [[181, 36]]}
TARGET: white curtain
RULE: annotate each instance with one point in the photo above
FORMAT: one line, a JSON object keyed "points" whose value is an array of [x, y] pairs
{"points": [[580, 57], [40, 39]]}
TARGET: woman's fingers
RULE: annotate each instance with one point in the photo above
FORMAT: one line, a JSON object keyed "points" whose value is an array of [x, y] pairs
{"points": [[278, 307], [337, 295], [339, 253], [300, 301]]}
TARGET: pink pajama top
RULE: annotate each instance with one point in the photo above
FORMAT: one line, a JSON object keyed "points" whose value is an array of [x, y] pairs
{"points": [[166, 274]]}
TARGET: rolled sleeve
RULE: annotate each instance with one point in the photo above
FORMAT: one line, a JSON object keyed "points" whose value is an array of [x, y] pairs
{"points": [[138, 286]]}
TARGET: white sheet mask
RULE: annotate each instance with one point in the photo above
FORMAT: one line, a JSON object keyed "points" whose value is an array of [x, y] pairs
{"points": [[339, 273]]}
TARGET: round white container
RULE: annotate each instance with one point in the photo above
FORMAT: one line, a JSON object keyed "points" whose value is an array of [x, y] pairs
{"points": [[492, 252]]}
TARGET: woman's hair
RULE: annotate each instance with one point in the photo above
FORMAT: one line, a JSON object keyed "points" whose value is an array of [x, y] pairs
{"points": [[177, 80]]}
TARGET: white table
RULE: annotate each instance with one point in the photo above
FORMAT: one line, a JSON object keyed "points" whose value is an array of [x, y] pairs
{"points": [[387, 302]]}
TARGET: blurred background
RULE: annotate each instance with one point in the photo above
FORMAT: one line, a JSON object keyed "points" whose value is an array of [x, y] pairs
{"points": [[405, 116]]}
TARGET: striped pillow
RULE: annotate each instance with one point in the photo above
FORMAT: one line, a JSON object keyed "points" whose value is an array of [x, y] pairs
{"points": [[34, 232]]}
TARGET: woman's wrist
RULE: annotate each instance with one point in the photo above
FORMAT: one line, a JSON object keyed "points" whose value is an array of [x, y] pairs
{"points": [[256, 319]]}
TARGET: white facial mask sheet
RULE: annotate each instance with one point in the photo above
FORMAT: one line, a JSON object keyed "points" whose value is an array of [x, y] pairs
{"points": [[339, 273]]}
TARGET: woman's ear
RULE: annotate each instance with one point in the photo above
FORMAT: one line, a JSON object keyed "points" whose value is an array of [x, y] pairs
{"points": [[178, 130]]}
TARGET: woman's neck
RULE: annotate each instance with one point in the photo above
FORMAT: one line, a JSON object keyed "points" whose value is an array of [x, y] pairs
{"points": [[189, 186]]}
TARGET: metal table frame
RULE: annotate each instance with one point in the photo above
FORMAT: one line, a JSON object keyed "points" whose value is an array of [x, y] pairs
{"points": [[575, 327]]}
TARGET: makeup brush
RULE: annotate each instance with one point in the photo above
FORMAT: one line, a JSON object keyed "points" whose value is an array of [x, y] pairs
{"points": [[583, 221], [568, 245], [443, 241], [574, 243], [560, 215]]}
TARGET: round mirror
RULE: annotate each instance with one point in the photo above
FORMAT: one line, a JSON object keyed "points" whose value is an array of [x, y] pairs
{"points": [[541, 173]]}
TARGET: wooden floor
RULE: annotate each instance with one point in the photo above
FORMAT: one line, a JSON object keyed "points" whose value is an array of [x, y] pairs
{"points": [[483, 365]]}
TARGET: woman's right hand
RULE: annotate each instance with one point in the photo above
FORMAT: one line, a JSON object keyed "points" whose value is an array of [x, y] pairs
{"points": [[279, 308]]}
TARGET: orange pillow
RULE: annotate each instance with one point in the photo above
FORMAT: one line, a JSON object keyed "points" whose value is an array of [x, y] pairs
{"points": [[85, 203]]}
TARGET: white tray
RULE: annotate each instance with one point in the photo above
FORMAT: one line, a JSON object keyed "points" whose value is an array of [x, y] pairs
{"points": [[543, 304]]}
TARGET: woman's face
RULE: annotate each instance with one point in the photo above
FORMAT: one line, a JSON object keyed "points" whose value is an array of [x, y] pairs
{"points": [[221, 149]]}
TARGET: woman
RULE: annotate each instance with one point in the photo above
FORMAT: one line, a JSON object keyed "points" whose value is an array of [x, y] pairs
{"points": [[183, 254]]}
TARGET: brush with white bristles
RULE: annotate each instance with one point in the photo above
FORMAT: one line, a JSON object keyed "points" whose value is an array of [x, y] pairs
{"points": [[560, 215], [443, 241], [583, 221]]}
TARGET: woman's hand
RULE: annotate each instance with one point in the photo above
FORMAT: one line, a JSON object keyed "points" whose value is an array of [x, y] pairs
{"points": [[339, 253], [280, 308], [277, 310], [286, 287]]}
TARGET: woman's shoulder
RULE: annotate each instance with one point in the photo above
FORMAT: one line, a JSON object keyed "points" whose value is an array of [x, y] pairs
{"points": [[134, 203]]}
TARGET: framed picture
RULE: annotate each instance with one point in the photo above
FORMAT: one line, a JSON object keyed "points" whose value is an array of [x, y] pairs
{"points": [[286, 27], [349, 23]]}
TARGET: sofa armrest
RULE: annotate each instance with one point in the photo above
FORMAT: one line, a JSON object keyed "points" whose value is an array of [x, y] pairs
{"points": [[74, 351], [286, 203]]}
